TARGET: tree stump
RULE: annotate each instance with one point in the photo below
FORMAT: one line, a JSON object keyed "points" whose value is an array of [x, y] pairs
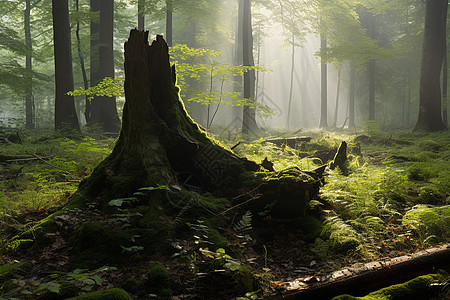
{"points": [[158, 139]]}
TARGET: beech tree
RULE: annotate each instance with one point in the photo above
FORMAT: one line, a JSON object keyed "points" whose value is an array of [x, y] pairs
{"points": [[433, 51], [65, 114]]}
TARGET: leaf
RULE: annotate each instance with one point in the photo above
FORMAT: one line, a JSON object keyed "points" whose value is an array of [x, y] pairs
{"points": [[120, 201], [97, 279]]}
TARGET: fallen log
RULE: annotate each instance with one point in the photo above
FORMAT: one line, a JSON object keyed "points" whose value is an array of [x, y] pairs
{"points": [[292, 142], [361, 280]]}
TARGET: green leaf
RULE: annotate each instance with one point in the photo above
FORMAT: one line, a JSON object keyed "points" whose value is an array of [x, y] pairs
{"points": [[120, 201]]}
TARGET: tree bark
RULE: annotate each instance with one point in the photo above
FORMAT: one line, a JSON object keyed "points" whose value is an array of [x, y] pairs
{"points": [[66, 118], [249, 125], [29, 103], [103, 108], [158, 139], [434, 47]]}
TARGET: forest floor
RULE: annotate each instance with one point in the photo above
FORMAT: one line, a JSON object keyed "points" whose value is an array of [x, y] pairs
{"points": [[392, 199]]}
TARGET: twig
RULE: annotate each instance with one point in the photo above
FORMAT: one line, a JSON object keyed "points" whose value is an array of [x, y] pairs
{"points": [[238, 205], [25, 159], [64, 171]]}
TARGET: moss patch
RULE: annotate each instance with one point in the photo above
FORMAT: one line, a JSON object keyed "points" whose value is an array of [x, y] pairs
{"points": [[417, 288], [96, 243], [111, 294]]}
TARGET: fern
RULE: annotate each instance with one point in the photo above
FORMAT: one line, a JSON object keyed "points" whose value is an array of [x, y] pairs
{"points": [[243, 227]]}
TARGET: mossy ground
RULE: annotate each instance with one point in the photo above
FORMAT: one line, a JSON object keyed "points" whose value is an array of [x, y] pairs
{"points": [[394, 200]]}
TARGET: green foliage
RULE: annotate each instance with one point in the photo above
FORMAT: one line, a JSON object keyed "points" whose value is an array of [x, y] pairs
{"points": [[108, 87], [432, 224]]}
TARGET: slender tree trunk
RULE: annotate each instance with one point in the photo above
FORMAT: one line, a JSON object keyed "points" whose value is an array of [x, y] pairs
{"points": [[83, 67], [249, 116], [65, 115], [103, 109], [238, 59], [351, 97], [433, 51], [29, 101], [141, 14], [169, 21], [371, 84], [291, 88], [408, 108], [336, 107], [444, 90], [323, 87]]}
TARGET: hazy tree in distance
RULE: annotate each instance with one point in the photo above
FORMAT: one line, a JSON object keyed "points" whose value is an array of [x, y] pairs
{"points": [[29, 103], [169, 22], [141, 14], [433, 50], [103, 108], [65, 114], [249, 116], [323, 87]]}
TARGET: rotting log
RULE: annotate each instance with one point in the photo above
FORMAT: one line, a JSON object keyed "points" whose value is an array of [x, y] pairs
{"points": [[361, 280]]}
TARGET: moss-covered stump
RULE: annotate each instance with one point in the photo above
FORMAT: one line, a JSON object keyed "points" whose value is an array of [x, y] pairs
{"points": [[158, 139]]}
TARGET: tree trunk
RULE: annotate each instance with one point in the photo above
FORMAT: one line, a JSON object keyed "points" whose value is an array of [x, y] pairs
{"points": [[141, 14], [430, 114], [291, 87], [249, 125], [336, 106], [444, 89], [351, 97], [103, 109], [371, 84], [323, 87], [29, 103], [158, 139], [169, 22], [87, 108], [66, 118]]}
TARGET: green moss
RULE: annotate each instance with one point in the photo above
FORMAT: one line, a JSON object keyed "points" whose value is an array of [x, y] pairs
{"points": [[28, 235], [345, 297], [429, 145], [96, 243], [68, 289], [157, 278], [5, 270], [111, 294], [217, 240], [131, 285], [417, 288]]}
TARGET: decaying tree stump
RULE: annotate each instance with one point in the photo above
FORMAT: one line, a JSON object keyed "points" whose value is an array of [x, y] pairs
{"points": [[158, 139]]}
